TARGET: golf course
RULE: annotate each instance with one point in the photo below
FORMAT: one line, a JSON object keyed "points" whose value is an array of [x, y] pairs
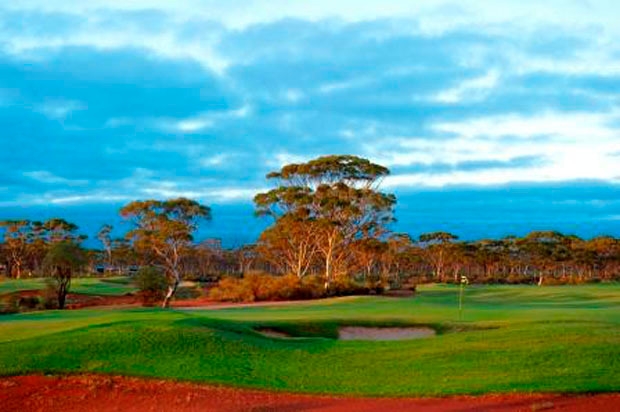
{"points": [[510, 339]]}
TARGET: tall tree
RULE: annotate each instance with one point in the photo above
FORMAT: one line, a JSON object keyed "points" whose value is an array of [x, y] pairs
{"points": [[164, 229], [16, 235], [289, 245], [60, 230], [437, 246], [106, 240], [339, 195], [62, 260]]}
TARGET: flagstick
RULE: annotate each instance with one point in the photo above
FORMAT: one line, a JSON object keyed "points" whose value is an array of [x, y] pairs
{"points": [[461, 302], [464, 281]]}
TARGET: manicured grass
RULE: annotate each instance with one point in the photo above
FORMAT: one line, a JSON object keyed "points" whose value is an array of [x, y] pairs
{"points": [[90, 286], [513, 338]]}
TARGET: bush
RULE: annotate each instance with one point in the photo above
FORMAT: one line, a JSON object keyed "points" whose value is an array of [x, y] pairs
{"points": [[29, 302], [152, 285], [188, 292], [232, 290], [9, 304], [261, 287], [49, 296]]}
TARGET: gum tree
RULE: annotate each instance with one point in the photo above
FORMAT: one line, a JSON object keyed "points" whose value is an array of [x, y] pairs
{"points": [[164, 230], [16, 235], [62, 260], [338, 198]]}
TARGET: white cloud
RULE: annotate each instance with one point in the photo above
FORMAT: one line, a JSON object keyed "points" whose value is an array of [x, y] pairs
{"points": [[216, 160], [43, 176], [563, 147], [188, 125], [278, 160], [580, 125], [474, 89], [598, 19], [216, 194], [293, 95]]}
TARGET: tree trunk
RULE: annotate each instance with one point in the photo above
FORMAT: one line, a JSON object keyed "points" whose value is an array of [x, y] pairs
{"points": [[18, 270], [172, 288], [63, 288], [540, 278], [328, 271]]}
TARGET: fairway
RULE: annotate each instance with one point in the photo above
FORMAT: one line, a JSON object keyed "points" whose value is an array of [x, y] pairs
{"points": [[511, 339], [111, 286]]}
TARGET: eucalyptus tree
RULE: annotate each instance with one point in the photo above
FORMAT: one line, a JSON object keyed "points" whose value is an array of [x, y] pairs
{"points": [[164, 230], [437, 247], [59, 230], [544, 249], [337, 198], [62, 260], [106, 240], [16, 235], [289, 245]]}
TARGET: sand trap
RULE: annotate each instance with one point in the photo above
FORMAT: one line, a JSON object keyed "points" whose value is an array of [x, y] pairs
{"points": [[370, 333], [273, 333]]}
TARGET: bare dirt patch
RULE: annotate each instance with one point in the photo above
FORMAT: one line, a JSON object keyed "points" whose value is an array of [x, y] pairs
{"points": [[380, 333], [79, 301], [93, 393]]}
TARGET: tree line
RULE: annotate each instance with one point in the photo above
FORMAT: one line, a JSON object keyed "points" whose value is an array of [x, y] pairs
{"points": [[330, 221]]}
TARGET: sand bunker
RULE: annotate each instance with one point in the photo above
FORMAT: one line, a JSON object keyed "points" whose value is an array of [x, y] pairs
{"points": [[373, 333], [363, 333], [273, 333]]}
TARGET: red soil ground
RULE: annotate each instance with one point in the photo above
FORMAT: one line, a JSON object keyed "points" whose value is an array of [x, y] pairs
{"points": [[78, 301], [102, 393]]}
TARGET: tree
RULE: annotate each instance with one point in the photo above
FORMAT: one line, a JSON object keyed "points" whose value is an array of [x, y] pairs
{"points": [[437, 246], [59, 230], [338, 197], [104, 237], [62, 260], [163, 229], [289, 245], [16, 234], [544, 250]]}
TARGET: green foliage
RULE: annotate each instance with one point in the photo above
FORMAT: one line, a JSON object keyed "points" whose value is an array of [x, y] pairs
{"points": [[61, 261], [152, 284]]}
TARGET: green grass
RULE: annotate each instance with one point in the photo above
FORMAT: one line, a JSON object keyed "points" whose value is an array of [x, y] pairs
{"points": [[512, 338], [90, 286]]}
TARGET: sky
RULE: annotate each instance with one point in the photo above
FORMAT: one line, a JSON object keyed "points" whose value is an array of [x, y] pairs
{"points": [[494, 118]]}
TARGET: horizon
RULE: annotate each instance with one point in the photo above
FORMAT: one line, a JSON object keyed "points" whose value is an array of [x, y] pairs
{"points": [[493, 119]]}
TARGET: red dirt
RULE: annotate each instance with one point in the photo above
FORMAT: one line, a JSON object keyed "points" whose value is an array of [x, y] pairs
{"points": [[102, 393], [79, 301]]}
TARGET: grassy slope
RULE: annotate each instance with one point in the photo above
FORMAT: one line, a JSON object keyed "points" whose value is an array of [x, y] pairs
{"points": [[89, 286], [537, 339]]}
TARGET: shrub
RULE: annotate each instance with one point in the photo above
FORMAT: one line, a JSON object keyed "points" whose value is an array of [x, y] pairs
{"points": [[49, 295], [152, 285], [262, 287], [9, 304], [232, 290], [188, 292], [29, 302]]}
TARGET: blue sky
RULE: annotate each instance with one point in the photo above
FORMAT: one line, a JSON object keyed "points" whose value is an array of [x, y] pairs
{"points": [[494, 117]]}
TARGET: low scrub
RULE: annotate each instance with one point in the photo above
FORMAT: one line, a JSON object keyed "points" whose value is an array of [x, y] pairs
{"points": [[256, 287], [152, 284]]}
